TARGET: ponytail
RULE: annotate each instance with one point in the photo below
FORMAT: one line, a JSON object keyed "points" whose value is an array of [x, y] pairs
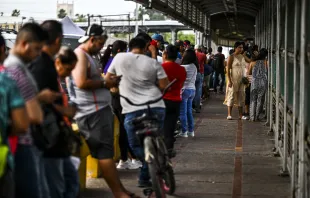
{"points": [[105, 58]]}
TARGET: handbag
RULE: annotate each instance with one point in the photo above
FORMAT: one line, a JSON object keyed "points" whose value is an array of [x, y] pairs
{"points": [[245, 81], [45, 135], [54, 135]]}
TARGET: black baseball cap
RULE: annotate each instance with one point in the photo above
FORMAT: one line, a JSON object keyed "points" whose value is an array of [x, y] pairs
{"points": [[93, 30]]}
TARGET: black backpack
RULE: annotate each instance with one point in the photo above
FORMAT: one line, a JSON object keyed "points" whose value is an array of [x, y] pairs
{"points": [[218, 62]]}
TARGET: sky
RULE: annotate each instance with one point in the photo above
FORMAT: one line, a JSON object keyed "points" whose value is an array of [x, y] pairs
{"points": [[47, 8]]}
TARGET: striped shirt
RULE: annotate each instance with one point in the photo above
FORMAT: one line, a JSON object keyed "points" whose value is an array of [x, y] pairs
{"points": [[18, 71]]}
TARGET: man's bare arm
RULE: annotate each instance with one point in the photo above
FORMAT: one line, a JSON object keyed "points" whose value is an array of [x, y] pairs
{"points": [[79, 74], [20, 120], [34, 111], [162, 83], [66, 111]]}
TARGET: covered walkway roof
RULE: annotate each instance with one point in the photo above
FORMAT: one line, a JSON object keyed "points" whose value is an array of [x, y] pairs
{"points": [[230, 19]]}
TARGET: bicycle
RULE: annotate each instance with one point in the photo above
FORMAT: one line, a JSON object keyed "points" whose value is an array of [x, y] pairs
{"points": [[156, 154]]}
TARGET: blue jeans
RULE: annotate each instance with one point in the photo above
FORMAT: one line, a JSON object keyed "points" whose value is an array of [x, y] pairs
{"points": [[198, 85], [186, 114], [62, 178], [54, 171], [71, 179], [134, 142], [216, 80], [29, 173]]}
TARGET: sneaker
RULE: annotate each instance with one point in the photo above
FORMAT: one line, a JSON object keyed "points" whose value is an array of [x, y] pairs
{"points": [[136, 162], [191, 134], [177, 134], [183, 134], [126, 165], [229, 118], [245, 118]]}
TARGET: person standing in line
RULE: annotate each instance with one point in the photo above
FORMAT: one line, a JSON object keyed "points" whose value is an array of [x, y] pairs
{"points": [[94, 117], [65, 61], [125, 162], [219, 62], [151, 50], [235, 94], [190, 64], [258, 85], [201, 57], [14, 121], [143, 79], [28, 158], [253, 57], [210, 58], [173, 97]]}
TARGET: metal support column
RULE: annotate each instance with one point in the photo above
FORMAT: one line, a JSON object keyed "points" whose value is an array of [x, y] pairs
{"points": [[284, 171], [271, 65], [174, 36], [268, 46], [277, 132], [303, 106], [295, 97], [262, 27]]}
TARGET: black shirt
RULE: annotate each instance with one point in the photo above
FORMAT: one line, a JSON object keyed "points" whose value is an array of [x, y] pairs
{"points": [[45, 74]]}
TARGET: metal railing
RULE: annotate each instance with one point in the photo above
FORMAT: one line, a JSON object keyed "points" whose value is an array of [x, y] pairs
{"points": [[288, 109]]}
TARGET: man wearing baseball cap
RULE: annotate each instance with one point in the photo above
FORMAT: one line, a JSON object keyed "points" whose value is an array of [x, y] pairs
{"points": [[90, 92]]}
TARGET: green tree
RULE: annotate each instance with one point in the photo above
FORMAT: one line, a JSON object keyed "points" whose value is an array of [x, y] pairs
{"points": [[80, 18], [15, 13], [190, 37], [153, 14], [62, 13]]}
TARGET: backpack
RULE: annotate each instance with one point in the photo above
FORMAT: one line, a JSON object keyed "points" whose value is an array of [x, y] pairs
{"points": [[218, 62], [211, 60]]}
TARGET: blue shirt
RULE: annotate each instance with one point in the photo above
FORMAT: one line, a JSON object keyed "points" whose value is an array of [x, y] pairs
{"points": [[10, 99], [108, 65]]}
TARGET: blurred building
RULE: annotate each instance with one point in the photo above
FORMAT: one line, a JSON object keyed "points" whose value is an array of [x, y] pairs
{"points": [[67, 6]]}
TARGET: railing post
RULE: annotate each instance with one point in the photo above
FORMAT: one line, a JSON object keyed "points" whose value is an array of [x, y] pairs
{"points": [[278, 75], [269, 90], [271, 68], [295, 96], [285, 146], [303, 100]]}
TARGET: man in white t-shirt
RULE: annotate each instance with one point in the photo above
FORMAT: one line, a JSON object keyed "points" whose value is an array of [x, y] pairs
{"points": [[143, 78]]}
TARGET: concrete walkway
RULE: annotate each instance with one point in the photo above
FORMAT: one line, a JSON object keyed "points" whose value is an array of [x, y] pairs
{"points": [[226, 159]]}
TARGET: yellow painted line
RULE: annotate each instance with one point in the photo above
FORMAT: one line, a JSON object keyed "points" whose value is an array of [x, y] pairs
{"points": [[238, 148], [223, 149]]}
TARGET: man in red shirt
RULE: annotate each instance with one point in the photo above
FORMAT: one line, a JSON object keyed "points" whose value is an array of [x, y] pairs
{"points": [[173, 96], [201, 57]]}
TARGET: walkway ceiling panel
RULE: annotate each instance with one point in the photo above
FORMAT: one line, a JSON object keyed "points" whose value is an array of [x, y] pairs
{"points": [[231, 17]]}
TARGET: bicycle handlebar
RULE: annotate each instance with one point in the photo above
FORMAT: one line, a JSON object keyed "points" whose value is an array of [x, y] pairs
{"points": [[151, 101]]}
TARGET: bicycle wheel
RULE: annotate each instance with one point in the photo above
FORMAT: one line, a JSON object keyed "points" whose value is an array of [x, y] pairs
{"points": [[169, 181], [166, 168], [150, 155]]}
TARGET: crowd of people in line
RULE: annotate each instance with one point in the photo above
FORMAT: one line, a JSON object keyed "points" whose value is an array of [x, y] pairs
{"points": [[46, 86]]}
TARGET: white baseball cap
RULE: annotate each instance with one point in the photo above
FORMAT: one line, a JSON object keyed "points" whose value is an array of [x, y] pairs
{"points": [[93, 30]]}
